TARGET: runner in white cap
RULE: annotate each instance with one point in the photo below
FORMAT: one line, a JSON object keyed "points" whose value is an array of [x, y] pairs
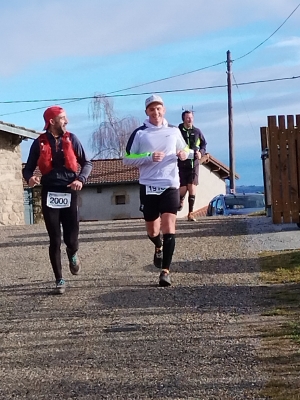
{"points": [[155, 148]]}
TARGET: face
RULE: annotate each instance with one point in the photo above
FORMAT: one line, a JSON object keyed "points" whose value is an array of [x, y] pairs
{"points": [[59, 124], [156, 113], [188, 120]]}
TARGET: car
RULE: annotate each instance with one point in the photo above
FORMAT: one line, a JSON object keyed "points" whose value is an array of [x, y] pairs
{"points": [[236, 204]]}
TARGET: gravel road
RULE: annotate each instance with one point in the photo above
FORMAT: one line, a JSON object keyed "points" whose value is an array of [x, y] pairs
{"points": [[115, 334]]}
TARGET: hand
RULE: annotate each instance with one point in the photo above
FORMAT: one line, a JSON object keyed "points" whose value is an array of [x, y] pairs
{"points": [[76, 185], [34, 180], [198, 155], [182, 155], [158, 156]]}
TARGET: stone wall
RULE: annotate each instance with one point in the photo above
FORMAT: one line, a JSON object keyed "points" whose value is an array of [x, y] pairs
{"points": [[37, 205], [11, 187]]}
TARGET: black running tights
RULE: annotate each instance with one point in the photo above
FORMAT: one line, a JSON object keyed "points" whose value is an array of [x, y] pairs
{"points": [[54, 218]]}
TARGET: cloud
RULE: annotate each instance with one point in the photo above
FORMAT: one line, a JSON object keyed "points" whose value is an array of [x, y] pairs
{"points": [[45, 30], [289, 42], [58, 49]]}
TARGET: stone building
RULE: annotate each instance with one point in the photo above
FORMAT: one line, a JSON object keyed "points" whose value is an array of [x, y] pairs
{"points": [[11, 186]]}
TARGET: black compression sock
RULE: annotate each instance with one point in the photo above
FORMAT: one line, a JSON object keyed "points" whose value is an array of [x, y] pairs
{"points": [[156, 240], [168, 249], [191, 200]]}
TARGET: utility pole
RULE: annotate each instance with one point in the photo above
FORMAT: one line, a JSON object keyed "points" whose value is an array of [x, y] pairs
{"points": [[230, 124]]}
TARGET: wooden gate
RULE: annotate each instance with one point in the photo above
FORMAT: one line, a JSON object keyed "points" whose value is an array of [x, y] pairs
{"points": [[280, 144]]}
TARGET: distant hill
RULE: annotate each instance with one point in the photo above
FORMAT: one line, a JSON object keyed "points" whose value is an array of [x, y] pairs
{"points": [[247, 189]]}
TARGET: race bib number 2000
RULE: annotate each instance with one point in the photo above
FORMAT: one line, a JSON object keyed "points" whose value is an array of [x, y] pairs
{"points": [[58, 200], [155, 189]]}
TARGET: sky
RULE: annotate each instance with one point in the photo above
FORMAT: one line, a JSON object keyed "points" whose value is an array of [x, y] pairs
{"points": [[54, 51]]}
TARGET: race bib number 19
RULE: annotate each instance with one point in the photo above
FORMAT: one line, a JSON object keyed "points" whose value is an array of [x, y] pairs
{"points": [[155, 190], [58, 200]]}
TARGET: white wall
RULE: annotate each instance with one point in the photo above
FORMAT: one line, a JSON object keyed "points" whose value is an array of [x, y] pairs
{"points": [[101, 206], [210, 185]]}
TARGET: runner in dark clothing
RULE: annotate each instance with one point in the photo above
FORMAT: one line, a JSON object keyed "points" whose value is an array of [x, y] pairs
{"points": [[189, 169], [57, 153]]}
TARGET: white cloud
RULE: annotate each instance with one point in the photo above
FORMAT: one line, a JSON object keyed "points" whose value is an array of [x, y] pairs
{"points": [[57, 49], [45, 30], [289, 42]]}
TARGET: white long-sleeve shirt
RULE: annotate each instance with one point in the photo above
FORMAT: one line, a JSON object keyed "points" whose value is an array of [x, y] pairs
{"points": [[146, 140]]}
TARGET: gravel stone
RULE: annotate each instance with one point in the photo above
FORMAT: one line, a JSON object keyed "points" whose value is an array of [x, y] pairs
{"points": [[115, 334]]}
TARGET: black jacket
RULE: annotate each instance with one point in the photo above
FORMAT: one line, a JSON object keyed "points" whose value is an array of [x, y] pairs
{"points": [[195, 139]]}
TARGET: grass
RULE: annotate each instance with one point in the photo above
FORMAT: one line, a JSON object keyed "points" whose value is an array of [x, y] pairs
{"points": [[281, 338], [280, 267]]}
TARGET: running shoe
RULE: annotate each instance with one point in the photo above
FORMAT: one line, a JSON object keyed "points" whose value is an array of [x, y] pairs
{"points": [[157, 260], [191, 218], [164, 278], [60, 286], [74, 263]]}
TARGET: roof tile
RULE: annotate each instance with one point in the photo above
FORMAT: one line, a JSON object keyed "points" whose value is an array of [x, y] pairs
{"points": [[112, 171]]}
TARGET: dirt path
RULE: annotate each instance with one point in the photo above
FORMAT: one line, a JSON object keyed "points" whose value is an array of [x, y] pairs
{"points": [[115, 334]]}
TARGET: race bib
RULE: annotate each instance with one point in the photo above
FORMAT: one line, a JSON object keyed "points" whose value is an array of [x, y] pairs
{"points": [[155, 189], [58, 200]]}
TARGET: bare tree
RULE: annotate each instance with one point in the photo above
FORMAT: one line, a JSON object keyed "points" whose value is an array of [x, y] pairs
{"points": [[110, 138]]}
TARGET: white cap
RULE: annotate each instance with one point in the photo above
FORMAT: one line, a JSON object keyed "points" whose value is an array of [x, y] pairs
{"points": [[153, 99]]}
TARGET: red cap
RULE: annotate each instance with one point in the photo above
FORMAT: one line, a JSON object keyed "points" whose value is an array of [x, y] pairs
{"points": [[51, 113]]}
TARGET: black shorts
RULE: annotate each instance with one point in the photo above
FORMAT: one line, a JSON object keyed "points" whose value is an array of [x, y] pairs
{"points": [[153, 205], [188, 176]]}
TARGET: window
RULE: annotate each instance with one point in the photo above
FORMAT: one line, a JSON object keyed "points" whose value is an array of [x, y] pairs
{"points": [[245, 201], [219, 206], [120, 199], [213, 207]]}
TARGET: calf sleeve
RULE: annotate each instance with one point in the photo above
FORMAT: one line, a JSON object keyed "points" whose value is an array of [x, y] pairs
{"points": [[191, 203], [168, 249], [156, 240]]}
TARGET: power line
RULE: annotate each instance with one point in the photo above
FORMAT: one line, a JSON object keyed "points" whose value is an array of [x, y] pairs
{"points": [[44, 100], [40, 108], [269, 80], [109, 93], [170, 77], [264, 41], [74, 99], [201, 88], [209, 66]]}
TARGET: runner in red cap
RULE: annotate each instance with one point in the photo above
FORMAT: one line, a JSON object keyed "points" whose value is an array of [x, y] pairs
{"points": [[51, 113], [57, 153]]}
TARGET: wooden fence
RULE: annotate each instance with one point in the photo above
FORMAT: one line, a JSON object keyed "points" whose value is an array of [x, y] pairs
{"points": [[280, 144]]}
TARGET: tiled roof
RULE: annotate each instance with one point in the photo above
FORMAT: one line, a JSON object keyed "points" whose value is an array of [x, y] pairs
{"points": [[201, 212], [105, 172], [114, 171], [18, 130], [217, 166]]}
